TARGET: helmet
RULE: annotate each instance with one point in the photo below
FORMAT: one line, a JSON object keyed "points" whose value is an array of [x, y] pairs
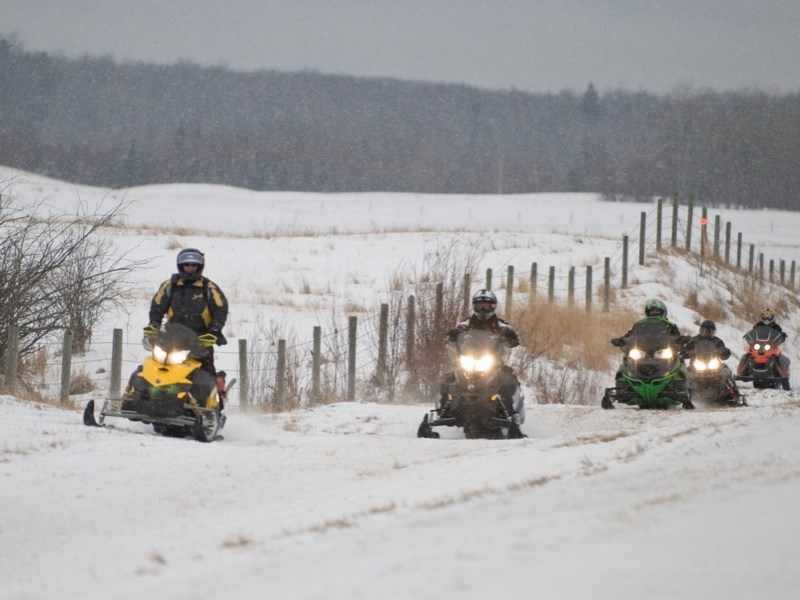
{"points": [[483, 304], [707, 328], [191, 255], [767, 316], [655, 308]]}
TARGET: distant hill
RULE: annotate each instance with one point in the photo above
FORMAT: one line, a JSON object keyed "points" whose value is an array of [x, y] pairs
{"points": [[101, 122]]}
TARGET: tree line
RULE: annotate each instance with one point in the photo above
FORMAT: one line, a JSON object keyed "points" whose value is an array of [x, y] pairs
{"points": [[102, 122]]}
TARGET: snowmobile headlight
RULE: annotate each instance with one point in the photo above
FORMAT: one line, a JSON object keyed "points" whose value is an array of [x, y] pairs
{"points": [[635, 354], [470, 364], [757, 346], [664, 353], [700, 365], [714, 364], [767, 347], [175, 357]]}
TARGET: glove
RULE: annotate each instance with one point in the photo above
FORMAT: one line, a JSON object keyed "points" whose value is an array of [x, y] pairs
{"points": [[453, 334], [207, 339], [617, 342], [150, 331], [221, 341]]}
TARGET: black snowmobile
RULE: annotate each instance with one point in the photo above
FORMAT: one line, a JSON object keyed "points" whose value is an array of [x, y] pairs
{"points": [[474, 400]]}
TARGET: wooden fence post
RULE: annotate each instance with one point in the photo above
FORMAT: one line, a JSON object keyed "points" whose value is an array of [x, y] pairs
{"points": [[728, 242], [509, 292], [791, 275], [752, 255], [689, 218], [571, 286], [244, 375], [659, 211], [488, 279], [771, 269], [624, 261], [739, 250], [703, 232], [717, 232], [783, 271], [12, 359], [589, 288], [411, 319], [466, 294], [280, 376], [761, 265], [551, 285], [606, 283], [674, 240], [66, 366], [438, 306], [642, 235], [351, 358], [383, 342], [316, 364], [115, 391]]}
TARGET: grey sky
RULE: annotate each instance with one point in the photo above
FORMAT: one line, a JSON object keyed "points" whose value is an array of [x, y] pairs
{"points": [[532, 45]]}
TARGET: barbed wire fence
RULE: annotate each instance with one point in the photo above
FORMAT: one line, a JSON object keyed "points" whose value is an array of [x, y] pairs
{"points": [[396, 350]]}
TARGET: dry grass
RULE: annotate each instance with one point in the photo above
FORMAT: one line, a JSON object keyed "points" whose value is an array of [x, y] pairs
{"points": [[571, 335]]}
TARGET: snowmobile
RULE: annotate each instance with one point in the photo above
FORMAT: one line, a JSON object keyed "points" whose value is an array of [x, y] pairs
{"points": [[169, 390], [710, 379], [761, 363], [474, 401], [651, 375]]}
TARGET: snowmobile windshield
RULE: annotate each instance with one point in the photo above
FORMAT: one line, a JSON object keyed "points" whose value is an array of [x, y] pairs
{"points": [[175, 338], [650, 336], [763, 334], [477, 349], [705, 347]]}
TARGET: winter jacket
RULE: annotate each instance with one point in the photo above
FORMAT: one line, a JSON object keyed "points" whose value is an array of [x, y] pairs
{"points": [[198, 304], [689, 349], [493, 325]]}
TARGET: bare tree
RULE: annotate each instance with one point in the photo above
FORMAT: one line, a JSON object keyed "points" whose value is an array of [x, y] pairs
{"points": [[56, 269]]}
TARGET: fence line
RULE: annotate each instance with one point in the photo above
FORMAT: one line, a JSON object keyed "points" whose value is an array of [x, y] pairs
{"points": [[365, 352]]}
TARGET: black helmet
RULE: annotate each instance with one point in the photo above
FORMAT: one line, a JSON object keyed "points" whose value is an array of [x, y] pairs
{"points": [[655, 308], [191, 256], [707, 328], [483, 298]]}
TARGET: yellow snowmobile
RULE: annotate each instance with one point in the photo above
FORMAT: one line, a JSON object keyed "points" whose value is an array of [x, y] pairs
{"points": [[169, 390]]}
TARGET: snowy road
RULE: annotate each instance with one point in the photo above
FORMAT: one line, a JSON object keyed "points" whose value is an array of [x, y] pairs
{"points": [[344, 502]]}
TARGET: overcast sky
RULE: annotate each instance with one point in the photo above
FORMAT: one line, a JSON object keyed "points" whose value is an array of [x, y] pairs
{"points": [[532, 45]]}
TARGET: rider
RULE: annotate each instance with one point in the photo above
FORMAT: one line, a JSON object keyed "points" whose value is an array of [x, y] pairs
{"points": [[768, 319], [708, 331], [484, 318], [655, 311], [204, 313]]}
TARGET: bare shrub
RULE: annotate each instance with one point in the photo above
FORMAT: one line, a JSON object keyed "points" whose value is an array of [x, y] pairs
{"points": [[81, 383], [262, 365], [446, 266], [55, 270]]}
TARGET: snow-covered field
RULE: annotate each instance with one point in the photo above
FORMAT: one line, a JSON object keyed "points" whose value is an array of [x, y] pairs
{"points": [[343, 501]]}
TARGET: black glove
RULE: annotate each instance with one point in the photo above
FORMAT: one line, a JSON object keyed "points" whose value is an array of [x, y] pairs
{"points": [[453, 334], [221, 341], [618, 342]]}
